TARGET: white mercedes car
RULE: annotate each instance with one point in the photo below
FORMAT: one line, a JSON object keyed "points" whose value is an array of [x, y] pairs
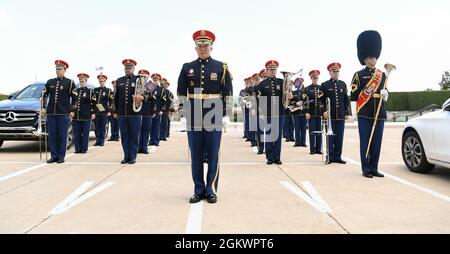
{"points": [[426, 141]]}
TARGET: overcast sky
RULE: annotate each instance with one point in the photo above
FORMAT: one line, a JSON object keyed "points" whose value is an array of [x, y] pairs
{"points": [[158, 34]]}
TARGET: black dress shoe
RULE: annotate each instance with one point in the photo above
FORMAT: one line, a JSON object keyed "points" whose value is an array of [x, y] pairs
{"points": [[96, 144], [254, 145], [131, 162], [312, 153], [76, 152], [247, 140], [367, 175], [124, 162], [60, 161], [196, 198], [259, 152], [303, 145], [296, 145], [378, 174], [156, 144], [102, 145], [164, 139], [278, 162], [212, 199], [51, 161], [340, 161], [146, 152], [269, 162], [319, 153]]}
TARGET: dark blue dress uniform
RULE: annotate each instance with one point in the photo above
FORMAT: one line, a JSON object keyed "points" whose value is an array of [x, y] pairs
{"points": [[56, 97], [207, 84], [366, 117], [148, 111], [115, 134], [253, 116], [156, 120], [288, 126], [83, 108], [315, 109], [243, 94], [300, 122], [129, 121], [167, 100], [336, 91], [367, 84], [104, 97], [271, 107]]}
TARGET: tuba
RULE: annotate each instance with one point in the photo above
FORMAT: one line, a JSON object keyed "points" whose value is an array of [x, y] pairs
{"points": [[287, 87], [139, 90]]}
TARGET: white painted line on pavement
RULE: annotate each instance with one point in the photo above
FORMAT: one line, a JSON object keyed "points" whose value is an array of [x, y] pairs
{"points": [[194, 223], [80, 199], [316, 196], [76, 194], [407, 183], [7, 177], [302, 195]]}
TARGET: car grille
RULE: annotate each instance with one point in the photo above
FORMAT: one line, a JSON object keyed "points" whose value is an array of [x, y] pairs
{"points": [[17, 118]]}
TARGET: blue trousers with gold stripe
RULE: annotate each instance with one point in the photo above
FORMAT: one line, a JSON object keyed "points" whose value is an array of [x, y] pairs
{"points": [[201, 143], [335, 142], [274, 129], [144, 136], [81, 133], [155, 130], [100, 128], [370, 165], [57, 127], [315, 139], [129, 129], [300, 129]]}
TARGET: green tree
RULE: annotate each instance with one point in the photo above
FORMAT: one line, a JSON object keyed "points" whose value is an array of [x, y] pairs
{"points": [[445, 82]]}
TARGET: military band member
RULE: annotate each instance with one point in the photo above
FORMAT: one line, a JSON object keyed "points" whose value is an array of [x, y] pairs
{"points": [[171, 106], [259, 122], [367, 90], [104, 97], [56, 106], [129, 121], [167, 99], [272, 112], [158, 94], [205, 85], [336, 91], [115, 136], [253, 112], [83, 113], [243, 95], [314, 113], [299, 106], [148, 112], [288, 125]]}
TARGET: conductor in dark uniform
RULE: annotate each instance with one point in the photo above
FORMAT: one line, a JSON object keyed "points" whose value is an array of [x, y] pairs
{"points": [[367, 91], [129, 121], [56, 98], [206, 99], [336, 91]]}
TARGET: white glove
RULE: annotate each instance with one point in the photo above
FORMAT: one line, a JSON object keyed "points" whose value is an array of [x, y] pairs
{"points": [[226, 120], [385, 94]]}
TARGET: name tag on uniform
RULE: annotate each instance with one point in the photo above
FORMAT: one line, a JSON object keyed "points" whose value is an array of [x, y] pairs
{"points": [[121, 84], [331, 89], [52, 86], [367, 77], [214, 76]]}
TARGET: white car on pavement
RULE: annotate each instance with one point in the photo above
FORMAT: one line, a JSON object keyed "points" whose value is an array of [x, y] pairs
{"points": [[426, 141]]}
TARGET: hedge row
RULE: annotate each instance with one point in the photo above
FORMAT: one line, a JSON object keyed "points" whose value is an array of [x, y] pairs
{"points": [[412, 101]]}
